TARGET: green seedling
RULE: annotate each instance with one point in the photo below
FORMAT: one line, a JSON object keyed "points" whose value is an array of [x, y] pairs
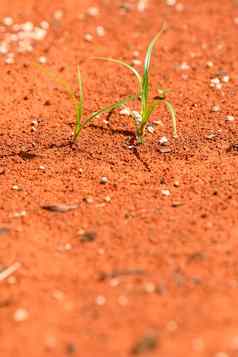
{"points": [[78, 102], [148, 106]]}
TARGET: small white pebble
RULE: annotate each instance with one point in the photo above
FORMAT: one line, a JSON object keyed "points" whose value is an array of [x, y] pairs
{"points": [[226, 78], [209, 64], [21, 315], [136, 54], [136, 116], [103, 180], [163, 141], [58, 295], [58, 15], [107, 199], [34, 122], [179, 7], [176, 183], [100, 300], [88, 37], [125, 111], [136, 62], [150, 288], [170, 2], [184, 66], [9, 60], [165, 193], [236, 20], [3, 48], [19, 214], [142, 4], [41, 167], [45, 25], [114, 282], [68, 247], [39, 34], [27, 26], [89, 199], [222, 354], [215, 83], [100, 31], [215, 108], [93, 11], [150, 128], [7, 21], [229, 118], [16, 188], [42, 60]]}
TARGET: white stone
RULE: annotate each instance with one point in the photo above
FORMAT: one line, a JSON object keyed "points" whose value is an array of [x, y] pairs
{"points": [[21, 315], [8, 21], [100, 31]]}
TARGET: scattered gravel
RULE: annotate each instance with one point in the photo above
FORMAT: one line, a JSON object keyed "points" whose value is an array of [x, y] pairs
{"points": [[103, 180], [100, 300], [229, 118], [100, 31], [216, 108], [92, 11], [19, 214], [165, 193], [21, 315], [88, 37], [163, 140]]}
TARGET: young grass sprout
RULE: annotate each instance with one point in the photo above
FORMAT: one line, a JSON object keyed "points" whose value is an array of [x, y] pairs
{"points": [[148, 106], [78, 102]]}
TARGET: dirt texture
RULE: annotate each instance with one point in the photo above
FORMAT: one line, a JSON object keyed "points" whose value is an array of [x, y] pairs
{"points": [[146, 263]]}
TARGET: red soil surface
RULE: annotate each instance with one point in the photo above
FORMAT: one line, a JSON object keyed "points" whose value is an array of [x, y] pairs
{"points": [[178, 253]]}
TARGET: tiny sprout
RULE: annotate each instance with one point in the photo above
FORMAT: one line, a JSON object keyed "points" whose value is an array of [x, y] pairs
{"points": [[78, 101], [148, 106]]}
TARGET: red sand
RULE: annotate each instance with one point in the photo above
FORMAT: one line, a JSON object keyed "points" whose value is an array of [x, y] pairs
{"points": [[185, 295]]}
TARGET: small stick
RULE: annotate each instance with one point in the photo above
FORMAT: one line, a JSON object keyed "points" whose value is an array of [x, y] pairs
{"points": [[116, 274], [9, 271]]}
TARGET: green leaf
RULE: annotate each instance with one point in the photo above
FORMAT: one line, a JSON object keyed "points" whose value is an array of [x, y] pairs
{"points": [[124, 64], [109, 108], [145, 78], [152, 107], [172, 112], [79, 106]]}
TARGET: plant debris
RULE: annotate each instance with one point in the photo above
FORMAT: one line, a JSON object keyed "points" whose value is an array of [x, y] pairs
{"points": [[146, 344], [26, 155], [5, 273], [164, 150], [118, 273], [232, 147], [61, 207], [89, 236]]}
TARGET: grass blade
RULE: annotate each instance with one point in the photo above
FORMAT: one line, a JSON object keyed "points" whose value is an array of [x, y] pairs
{"points": [[79, 106], [172, 112], [109, 108], [145, 78], [124, 64]]}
